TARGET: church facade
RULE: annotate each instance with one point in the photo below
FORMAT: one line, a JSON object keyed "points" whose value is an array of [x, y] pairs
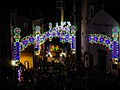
{"points": [[102, 23], [101, 30]]}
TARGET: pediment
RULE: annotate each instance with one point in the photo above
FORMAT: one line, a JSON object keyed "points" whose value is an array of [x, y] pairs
{"points": [[102, 18]]}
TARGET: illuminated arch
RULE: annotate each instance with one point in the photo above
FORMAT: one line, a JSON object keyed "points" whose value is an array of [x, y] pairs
{"points": [[65, 33], [101, 39], [30, 39], [111, 44], [27, 41]]}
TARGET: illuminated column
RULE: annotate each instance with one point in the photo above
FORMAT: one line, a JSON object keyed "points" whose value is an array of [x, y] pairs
{"points": [[16, 46], [13, 15], [115, 45], [37, 40], [73, 39], [50, 31], [84, 33]]}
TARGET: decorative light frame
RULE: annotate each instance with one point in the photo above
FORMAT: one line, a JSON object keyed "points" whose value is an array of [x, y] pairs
{"points": [[110, 43], [65, 31]]}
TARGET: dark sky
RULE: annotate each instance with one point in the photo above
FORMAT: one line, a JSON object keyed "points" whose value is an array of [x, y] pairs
{"points": [[49, 6], [112, 7]]}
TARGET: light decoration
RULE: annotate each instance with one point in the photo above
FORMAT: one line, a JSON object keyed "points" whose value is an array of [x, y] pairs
{"points": [[63, 54], [101, 39], [56, 61], [73, 43], [50, 31], [20, 75], [55, 48], [115, 45], [37, 39], [27, 41], [17, 34], [66, 32], [16, 45], [15, 62], [111, 44], [49, 54]]}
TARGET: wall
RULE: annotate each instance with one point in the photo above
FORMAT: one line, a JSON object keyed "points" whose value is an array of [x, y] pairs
{"points": [[27, 55], [102, 23]]}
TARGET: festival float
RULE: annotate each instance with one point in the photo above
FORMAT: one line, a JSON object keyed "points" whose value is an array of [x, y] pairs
{"points": [[55, 51]]}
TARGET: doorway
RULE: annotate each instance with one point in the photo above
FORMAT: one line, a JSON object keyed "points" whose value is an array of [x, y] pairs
{"points": [[102, 55], [91, 63]]}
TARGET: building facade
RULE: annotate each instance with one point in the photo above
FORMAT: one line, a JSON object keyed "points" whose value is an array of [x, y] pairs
{"points": [[102, 23]]}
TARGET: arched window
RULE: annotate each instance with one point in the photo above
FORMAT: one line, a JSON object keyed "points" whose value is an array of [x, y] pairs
{"points": [[26, 63]]}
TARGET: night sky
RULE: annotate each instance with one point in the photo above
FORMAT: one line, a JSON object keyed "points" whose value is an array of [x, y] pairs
{"points": [[48, 7], [112, 8]]}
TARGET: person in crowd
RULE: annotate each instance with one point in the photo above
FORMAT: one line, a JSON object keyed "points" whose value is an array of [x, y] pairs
{"points": [[70, 76]]}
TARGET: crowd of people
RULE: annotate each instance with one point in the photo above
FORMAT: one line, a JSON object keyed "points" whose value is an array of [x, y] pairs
{"points": [[73, 75]]}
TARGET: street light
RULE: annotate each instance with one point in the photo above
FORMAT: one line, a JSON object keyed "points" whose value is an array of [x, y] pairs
{"points": [[15, 62]]}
